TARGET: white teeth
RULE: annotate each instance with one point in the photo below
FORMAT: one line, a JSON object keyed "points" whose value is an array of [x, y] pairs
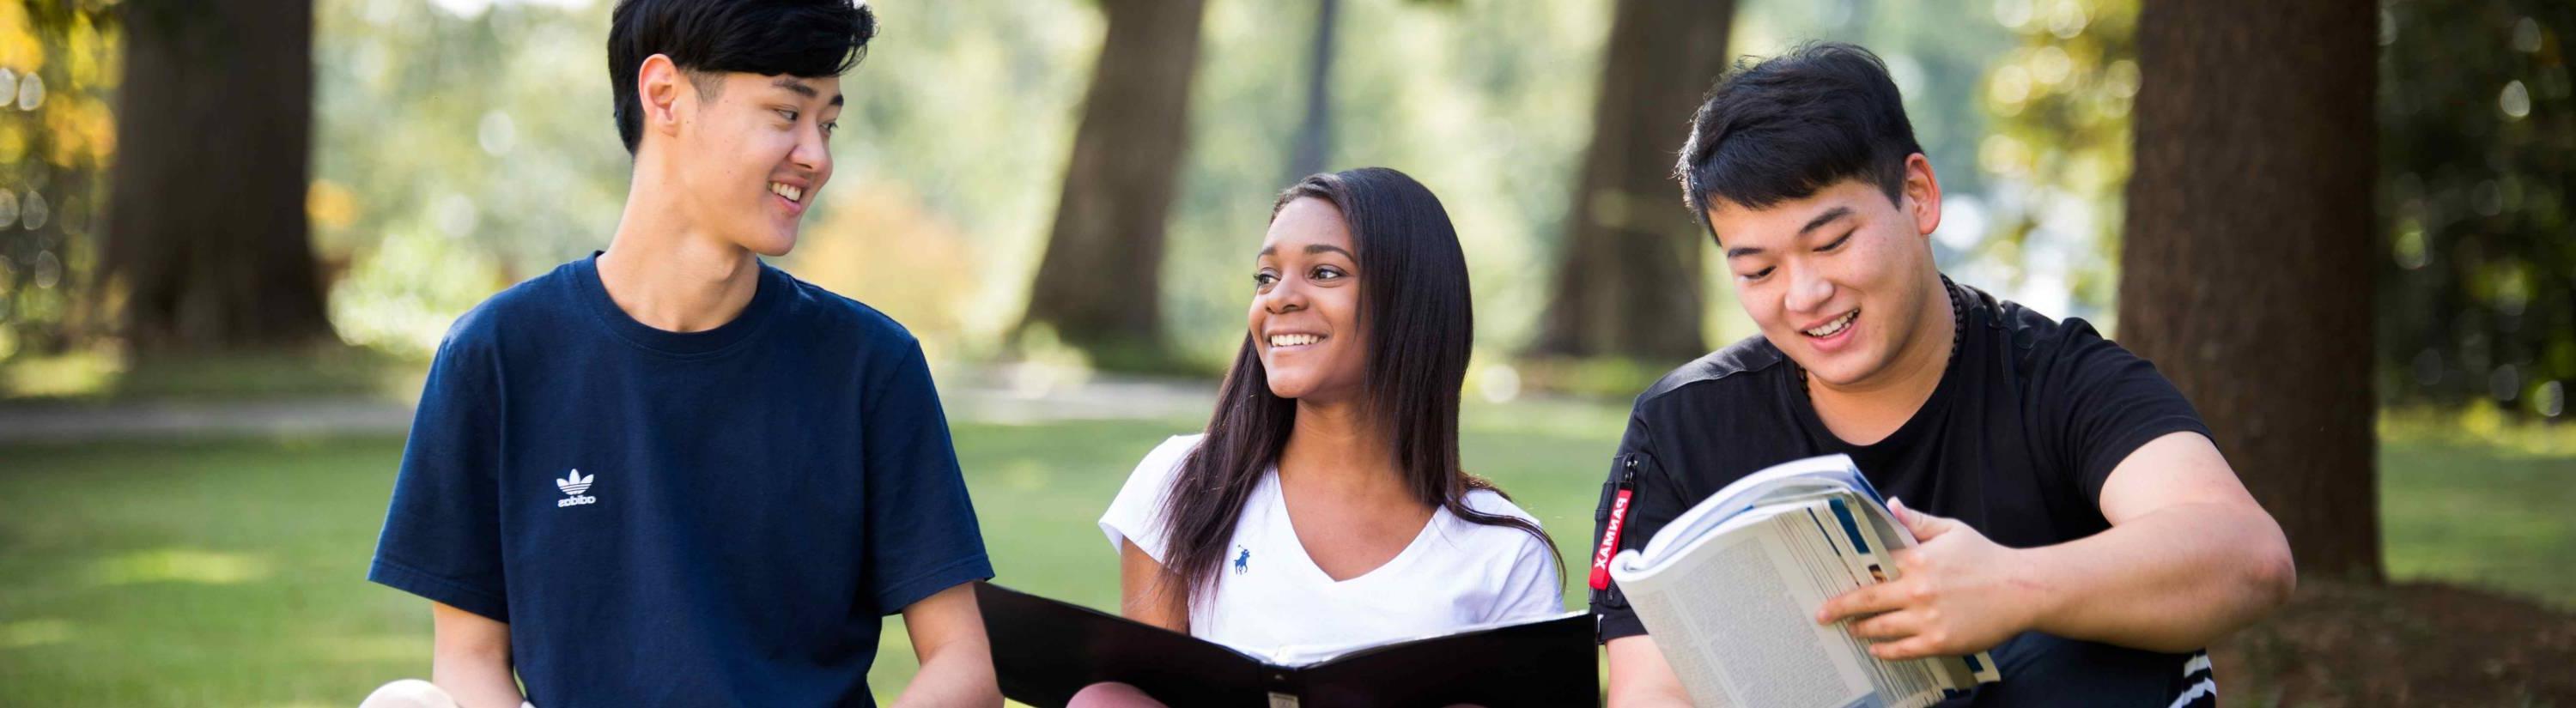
{"points": [[1291, 340], [1831, 328], [791, 192]]}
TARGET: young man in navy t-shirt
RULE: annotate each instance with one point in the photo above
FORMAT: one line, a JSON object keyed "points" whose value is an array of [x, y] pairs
{"points": [[669, 474], [2075, 517]]}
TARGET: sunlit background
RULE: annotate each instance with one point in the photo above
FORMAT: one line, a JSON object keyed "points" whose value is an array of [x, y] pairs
{"points": [[185, 513]]}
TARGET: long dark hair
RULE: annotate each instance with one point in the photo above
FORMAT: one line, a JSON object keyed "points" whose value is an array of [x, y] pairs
{"points": [[1415, 306]]}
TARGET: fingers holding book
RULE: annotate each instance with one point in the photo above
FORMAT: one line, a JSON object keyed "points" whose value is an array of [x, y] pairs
{"points": [[1955, 593]]}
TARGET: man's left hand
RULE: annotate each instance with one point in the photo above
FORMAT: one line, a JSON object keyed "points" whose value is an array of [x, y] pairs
{"points": [[1955, 593]]}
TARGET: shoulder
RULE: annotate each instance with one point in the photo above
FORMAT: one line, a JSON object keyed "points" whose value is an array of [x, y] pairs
{"points": [[1167, 456], [1154, 474], [835, 312], [1722, 381], [1487, 501], [539, 305], [1504, 541], [2048, 354], [1135, 514], [1733, 364], [2030, 337]]}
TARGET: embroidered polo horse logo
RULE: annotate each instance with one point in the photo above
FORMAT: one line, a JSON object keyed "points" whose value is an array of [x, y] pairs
{"points": [[1242, 560]]}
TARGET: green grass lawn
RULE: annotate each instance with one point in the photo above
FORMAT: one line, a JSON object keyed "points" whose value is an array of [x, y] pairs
{"points": [[231, 572]]}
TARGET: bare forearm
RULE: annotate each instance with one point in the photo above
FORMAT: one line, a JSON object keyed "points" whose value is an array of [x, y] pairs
{"points": [[470, 658], [477, 679], [956, 660], [2172, 580], [960, 674]]}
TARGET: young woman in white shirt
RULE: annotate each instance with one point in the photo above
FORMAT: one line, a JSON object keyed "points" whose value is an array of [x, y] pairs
{"points": [[1324, 506]]}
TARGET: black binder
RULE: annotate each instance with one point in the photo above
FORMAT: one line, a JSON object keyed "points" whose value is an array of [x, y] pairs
{"points": [[1044, 651]]}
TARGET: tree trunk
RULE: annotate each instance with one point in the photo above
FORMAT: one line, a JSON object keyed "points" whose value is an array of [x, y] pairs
{"points": [[1628, 283], [2245, 271], [1315, 131], [1099, 282], [206, 224]]}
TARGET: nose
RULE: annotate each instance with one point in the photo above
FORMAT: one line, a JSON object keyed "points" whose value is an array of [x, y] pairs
{"points": [[812, 155], [1808, 290], [1286, 296]]}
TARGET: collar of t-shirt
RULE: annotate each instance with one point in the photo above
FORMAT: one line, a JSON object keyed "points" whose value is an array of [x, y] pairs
{"points": [[767, 297]]}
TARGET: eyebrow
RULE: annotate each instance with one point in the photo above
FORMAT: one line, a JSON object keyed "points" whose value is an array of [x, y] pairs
{"points": [[1819, 222], [791, 84], [1312, 249]]}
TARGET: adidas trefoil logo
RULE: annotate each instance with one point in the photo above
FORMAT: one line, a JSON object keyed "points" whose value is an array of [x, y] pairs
{"points": [[573, 484]]}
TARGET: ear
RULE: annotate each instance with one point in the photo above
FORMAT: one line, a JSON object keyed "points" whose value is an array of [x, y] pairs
{"points": [[1922, 192], [659, 88]]}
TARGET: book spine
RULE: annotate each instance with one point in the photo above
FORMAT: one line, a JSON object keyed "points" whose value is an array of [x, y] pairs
{"points": [[1283, 685]]}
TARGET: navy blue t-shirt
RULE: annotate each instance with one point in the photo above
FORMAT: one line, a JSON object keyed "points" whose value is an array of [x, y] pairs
{"points": [[705, 518]]}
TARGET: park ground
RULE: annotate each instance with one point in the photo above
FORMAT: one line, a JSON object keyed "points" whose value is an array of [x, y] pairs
{"points": [[179, 570]]}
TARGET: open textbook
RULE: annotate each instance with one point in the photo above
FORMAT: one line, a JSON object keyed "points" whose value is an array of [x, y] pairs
{"points": [[1045, 650], [1730, 588]]}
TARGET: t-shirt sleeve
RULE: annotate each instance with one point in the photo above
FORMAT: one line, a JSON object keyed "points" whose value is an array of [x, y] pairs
{"points": [[442, 535], [921, 531], [1654, 500], [1531, 589], [2106, 403], [1135, 515]]}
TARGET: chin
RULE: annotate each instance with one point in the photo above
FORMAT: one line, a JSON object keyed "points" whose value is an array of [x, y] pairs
{"points": [[1289, 388], [1848, 370], [772, 247]]}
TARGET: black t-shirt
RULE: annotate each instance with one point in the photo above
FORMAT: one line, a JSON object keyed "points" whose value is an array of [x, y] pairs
{"points": [[2029, 418]]}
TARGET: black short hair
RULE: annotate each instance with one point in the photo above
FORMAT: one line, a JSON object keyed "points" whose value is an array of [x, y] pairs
{"points": [[805, 38], [1784, 127]]}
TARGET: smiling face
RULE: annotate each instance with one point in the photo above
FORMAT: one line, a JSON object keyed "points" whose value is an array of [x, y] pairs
{"points": [[1304, 319], [751, 152], [1841, 280]]}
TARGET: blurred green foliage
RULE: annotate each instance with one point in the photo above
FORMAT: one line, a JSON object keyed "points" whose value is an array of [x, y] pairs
{"points": [[58, 72], [2059, 150], [2477, 150], [2477, 161], [465, 144]]}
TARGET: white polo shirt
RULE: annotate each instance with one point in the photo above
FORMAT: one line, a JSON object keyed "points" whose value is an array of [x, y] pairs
{"points": [[1272, 599]]}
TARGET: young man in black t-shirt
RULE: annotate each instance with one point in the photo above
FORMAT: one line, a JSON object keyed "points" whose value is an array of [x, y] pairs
{"points": [[2076, 519]]}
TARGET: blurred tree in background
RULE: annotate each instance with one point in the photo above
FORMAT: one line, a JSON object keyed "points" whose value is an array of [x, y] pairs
{"points": [[1630, 267], [2475, 277], [460, 145], [1315, 129], [206, 229], [1099, 285], [2477, 266], [2246, 248]]}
